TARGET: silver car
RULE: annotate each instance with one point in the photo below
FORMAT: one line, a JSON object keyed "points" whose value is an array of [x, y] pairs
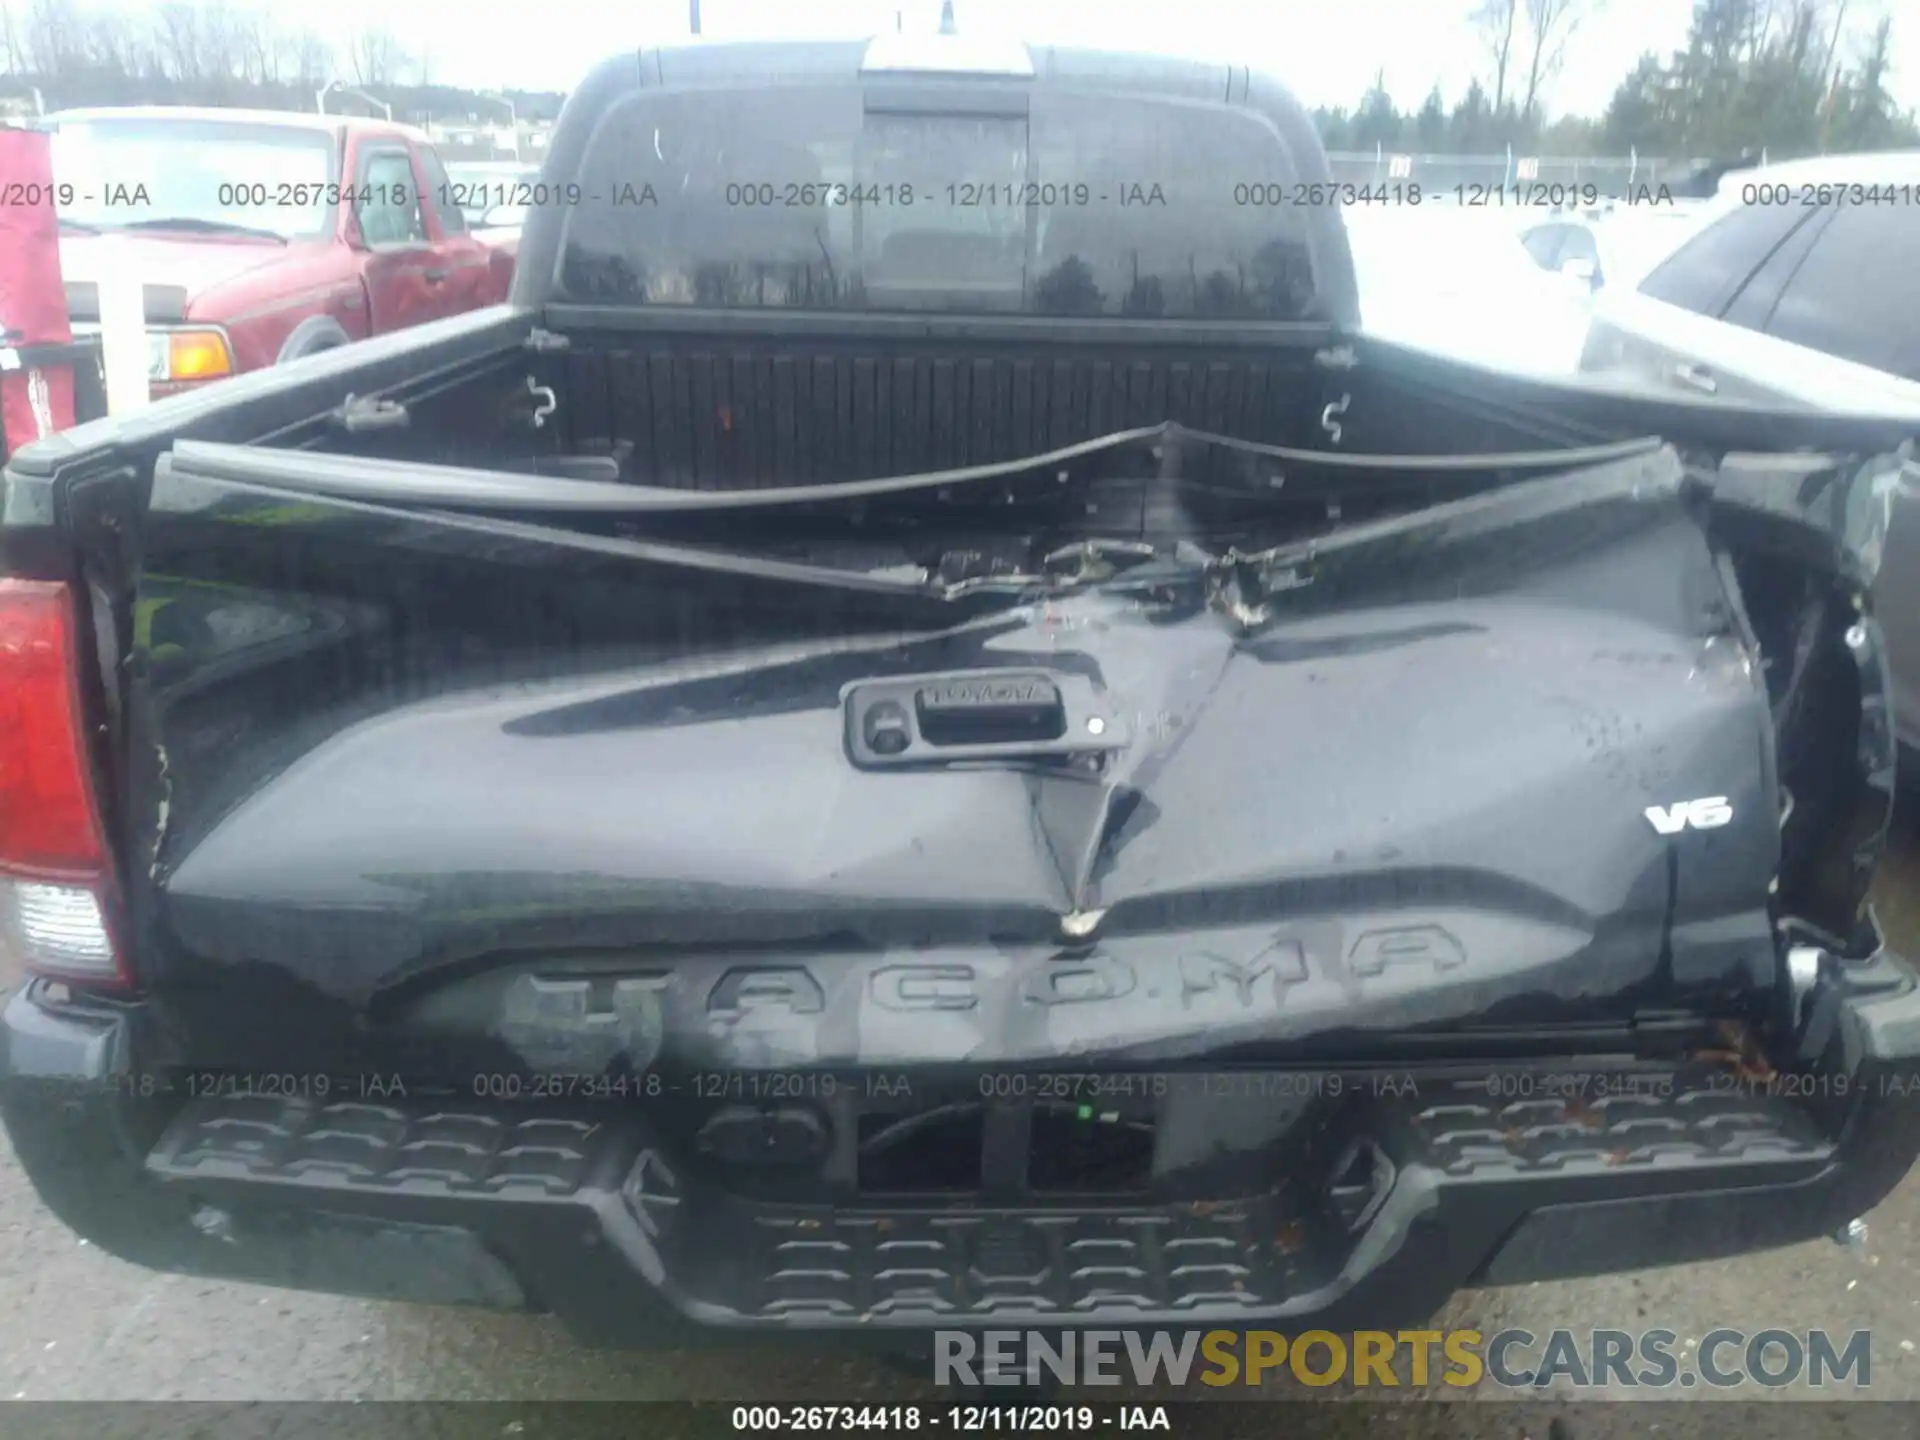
{"points": [[1799, 287]]}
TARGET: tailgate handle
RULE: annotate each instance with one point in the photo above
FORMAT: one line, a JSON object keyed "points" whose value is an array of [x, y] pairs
{"points": [[989, 710], [986, 714], [1698, 377], [368, 414]]}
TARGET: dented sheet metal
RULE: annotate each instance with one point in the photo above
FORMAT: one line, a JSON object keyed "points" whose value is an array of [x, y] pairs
{"points": [[1837, 512], [518, 789]]}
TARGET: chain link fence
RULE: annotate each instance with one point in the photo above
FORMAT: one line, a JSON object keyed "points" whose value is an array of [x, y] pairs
{"points": [[1612, 175]]}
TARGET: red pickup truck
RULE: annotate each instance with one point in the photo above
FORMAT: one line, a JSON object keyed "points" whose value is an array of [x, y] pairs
{"points": [[262, 236]]}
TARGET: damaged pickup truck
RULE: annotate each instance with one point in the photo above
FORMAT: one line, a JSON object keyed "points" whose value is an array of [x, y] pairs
{"points": [[912, 735]]}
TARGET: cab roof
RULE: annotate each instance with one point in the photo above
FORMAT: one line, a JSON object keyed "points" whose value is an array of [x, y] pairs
{"points": [[288, 119]]}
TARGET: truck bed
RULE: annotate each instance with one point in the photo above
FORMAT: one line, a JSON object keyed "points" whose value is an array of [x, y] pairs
{"points": [[927, 796], [597, 564], [681, 403], [518, 877]]}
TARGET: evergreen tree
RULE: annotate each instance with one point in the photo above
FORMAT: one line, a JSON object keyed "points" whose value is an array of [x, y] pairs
{"points": [[1430, 125], [1470, 128], [1336, 128], [1863, 115], [1639, 115], [1378, 122], [1756, 76]]}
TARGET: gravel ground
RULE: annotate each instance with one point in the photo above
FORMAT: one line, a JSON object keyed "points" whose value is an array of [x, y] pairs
{"points": [[79, 1325]]}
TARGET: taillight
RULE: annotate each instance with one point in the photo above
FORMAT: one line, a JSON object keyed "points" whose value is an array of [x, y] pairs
{"points": [[56, 881]]}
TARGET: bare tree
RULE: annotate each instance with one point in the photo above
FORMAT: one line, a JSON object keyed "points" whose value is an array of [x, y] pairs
{"points": [[375, 56], [1760, 20], [55, 35], [110, 42], [1831, 70], [257, 38], [223, 40], [1495, 22], [178, 41], [306, 57], [1798, 42], [12, 47], [1550, 25]]}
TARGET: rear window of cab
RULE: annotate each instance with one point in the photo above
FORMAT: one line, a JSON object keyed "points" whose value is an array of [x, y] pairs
{"points": [[1058, 203]]}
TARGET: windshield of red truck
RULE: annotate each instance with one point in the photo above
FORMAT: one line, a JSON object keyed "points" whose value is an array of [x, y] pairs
{"points": [[141, 171], [1065, 204]]}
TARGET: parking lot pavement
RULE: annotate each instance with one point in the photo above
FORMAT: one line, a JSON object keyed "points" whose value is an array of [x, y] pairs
{"points": [[78, 1324]]}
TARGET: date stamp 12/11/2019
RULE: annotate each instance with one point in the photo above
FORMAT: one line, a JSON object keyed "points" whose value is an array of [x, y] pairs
{"points": [[1096, 1095]]}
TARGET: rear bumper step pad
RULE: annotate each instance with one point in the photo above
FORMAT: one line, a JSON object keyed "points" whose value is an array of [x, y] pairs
{"points": [[1450, 1173]]}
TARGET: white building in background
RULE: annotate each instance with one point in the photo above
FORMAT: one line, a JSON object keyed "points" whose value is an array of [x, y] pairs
{"points": [[484, 140]]}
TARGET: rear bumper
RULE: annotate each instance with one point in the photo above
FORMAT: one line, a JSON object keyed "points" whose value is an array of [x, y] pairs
{"points": [[616, 1226]]}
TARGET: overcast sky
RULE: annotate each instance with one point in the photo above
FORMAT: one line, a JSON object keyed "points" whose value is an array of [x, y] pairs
{"points": [[1326, 50]]}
